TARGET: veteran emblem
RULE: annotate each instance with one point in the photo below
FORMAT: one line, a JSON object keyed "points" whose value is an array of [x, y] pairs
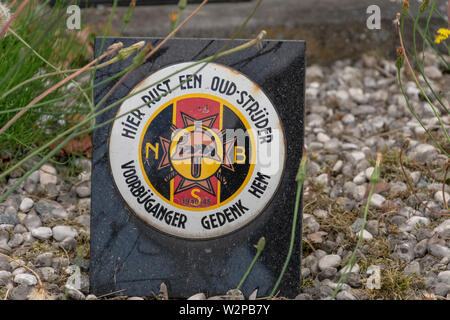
{"points": [[197, 155]]}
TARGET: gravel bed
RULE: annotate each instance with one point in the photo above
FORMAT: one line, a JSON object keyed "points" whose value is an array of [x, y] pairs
{"points": [[354, 110]]}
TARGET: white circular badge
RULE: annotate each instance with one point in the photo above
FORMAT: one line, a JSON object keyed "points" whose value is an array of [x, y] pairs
{"points": [[198, 153]]}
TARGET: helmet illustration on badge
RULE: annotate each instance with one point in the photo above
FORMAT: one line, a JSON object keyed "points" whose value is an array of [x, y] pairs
{"points": [[197, 160]]}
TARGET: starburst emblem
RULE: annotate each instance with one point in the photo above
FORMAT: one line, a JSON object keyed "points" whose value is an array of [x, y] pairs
{"points": [[196, 153]]}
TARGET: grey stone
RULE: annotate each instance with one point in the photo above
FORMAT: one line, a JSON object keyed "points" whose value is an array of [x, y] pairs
{"points": [[4, 264], [439, 250], [360, 178], [4, 235], [356, 226], [438, 196], [372, 227], [42, 233], [16, 240], [48, 274], [327, 273], [354, 280], [325, 292], [329, 261], [319, 213], [9, 216], [310, 225], [346, 204], [398, 187], [377, 200], [75, 294], [305, 272], [405, 252], [198, 296], [48, 209], [25, 278], [5, 277], [18, 269], [441, 289], [32, 221], [84, 220], [83, 191], [338, 166], [357, 156], [312, 168], [444, 228], [62, 232], [312, 263], [20, 292], [422, 234], [412, 268], [26, 204], [423, 153], [366, 235], [44, 259], [319, 253], [432, 72], [69, 244], [47, 175], [345, 295], [322, 179], [34, 177], [303, 296], [398, 220], [28, 238], [444, 277], [421, 248], [414, 222], [20, 229]]}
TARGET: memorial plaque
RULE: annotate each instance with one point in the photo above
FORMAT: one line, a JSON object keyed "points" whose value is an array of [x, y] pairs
{"points": [[200, 164]]}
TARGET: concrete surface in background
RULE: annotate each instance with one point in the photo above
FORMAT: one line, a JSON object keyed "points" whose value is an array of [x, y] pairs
{"points": [[333, 29]]}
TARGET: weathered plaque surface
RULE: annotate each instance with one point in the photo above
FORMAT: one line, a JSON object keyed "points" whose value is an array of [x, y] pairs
{"points": [[199, 166]]}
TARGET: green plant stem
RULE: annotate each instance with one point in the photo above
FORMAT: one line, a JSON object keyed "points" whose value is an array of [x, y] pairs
{"points": [[50, 90], [411, 109], [151, 53], [260, 248], [301, 177], [181, 6], [421, 69], [417, 81], [92, 115], [64, 72], [14, 16], [51, 65], [108, 27], [346, 272], [128, 16], [70, 95]]}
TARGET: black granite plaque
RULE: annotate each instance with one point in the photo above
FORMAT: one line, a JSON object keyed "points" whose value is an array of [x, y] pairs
{"points": [[191, 218]]}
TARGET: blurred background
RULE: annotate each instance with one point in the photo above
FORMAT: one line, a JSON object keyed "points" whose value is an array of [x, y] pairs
{"points": [[333, 29]]}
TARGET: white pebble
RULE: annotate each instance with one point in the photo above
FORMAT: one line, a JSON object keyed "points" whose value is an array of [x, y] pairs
{"points": [[25, 278], [377, 200], [26, 204], [42, 233]]}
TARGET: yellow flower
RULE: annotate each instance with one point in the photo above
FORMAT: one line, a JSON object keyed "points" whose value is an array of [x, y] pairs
{"points": [[442, 35]]}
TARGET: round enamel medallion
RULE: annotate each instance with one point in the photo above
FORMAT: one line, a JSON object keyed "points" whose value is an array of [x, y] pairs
{"points": [[199, 153]]}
